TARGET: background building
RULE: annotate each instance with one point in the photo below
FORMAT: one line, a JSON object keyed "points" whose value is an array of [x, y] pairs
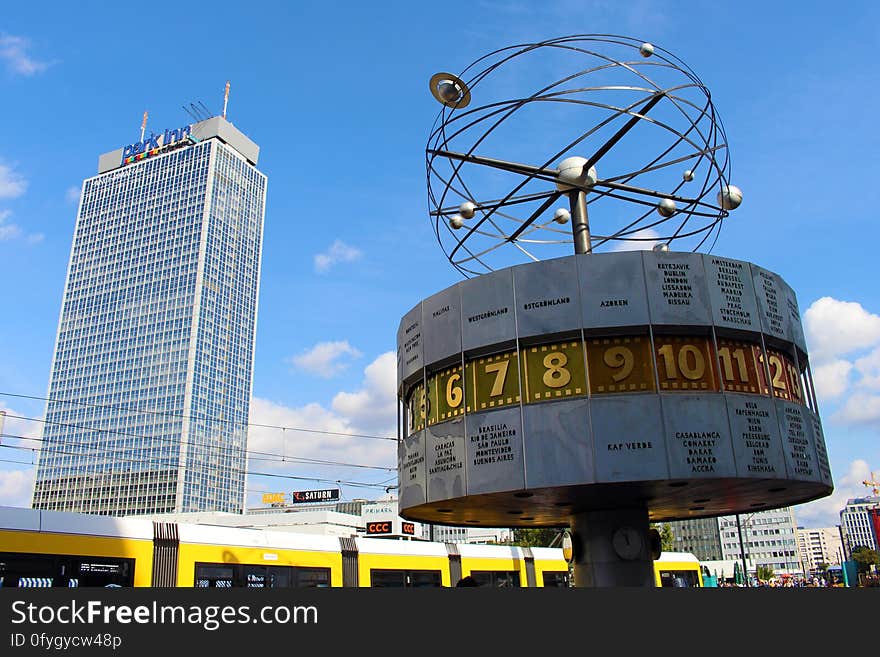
{"points": [[857, 525], [150, 386], [769, 539], [700, 536], [819, 546], [446, 534]]}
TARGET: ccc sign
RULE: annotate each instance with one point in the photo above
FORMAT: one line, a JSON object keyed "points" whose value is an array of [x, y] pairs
{"points": [[383, 527]]}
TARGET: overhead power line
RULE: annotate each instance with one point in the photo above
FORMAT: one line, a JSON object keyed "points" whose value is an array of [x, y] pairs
{"points": [[195, 417], [243, 472], [281, 458]]}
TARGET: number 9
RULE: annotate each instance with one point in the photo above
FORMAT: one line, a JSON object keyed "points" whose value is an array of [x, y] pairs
{"points": [[619, 357]]}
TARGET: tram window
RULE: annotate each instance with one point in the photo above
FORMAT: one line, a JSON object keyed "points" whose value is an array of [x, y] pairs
{"points": [[496, 578], [103, 572], [312, 577], [259, 577], [219, 577], [64, 570], [380, 578], [555, 579], [679, 578]]}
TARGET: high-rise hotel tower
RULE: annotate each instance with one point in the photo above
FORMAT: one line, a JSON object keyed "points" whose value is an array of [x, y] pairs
{"points": [[151, 379]]}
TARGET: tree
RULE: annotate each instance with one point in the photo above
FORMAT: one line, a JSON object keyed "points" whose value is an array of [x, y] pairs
{"points": [[535, 537], [764, 572], [864, 557], [667, 539]]}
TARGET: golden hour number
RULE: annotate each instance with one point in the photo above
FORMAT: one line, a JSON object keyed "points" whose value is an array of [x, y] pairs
{"points": [[454, 393], [492, 381], [620, 364], [499, 369], [728, 358], [556, 375], [690, 362], [739, 370], [620, 359], [419, 407], [795, 379], [777, 376], [447, 400], [762, 370], [686, 365], [554, 371]]}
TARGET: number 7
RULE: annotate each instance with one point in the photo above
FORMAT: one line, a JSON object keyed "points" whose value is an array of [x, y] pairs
{"points": [[500, 370]]}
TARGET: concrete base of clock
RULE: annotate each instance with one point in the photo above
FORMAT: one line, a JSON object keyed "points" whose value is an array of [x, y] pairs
{"points": [[612, 548]]}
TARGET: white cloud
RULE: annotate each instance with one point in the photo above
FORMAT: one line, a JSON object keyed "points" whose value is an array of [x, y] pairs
{"points": [[844, 340], [370, 410], [825, 512], [16, 424], [13, 50], [8, 231], [869, 369], [338, 252], [326, 359], [14, 231], [16, 487], [834, 328], [644, 241], [860, 408], [12, 183], [72, 194], [832, 379], [374, 406]]}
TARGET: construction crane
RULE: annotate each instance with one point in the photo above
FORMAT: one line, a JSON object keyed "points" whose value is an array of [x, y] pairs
{"points": [[873, 484]]}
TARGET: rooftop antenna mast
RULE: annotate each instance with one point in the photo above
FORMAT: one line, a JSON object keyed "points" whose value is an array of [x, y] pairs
{"points": [[143, 125], [225, 99], [205, 109], [192, 115], [198, 111]]}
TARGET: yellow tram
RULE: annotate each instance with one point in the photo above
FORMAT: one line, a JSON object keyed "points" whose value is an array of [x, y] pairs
{"points": [[51, 548]]}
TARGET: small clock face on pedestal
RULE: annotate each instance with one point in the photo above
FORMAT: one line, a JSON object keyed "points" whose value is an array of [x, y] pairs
{"points": [[627, 543]]}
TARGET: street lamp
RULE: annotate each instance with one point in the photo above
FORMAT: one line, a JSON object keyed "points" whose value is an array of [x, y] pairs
{"points": [[742, 551]]}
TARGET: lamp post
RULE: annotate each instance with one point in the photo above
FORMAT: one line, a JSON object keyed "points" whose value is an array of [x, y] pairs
{"points": [[742, 550]]}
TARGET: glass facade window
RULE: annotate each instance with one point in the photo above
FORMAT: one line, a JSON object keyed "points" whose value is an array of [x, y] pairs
{"points": [[150, 387]]}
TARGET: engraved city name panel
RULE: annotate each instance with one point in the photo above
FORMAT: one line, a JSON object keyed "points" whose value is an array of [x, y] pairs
{"points": [[628, 445], [494, 451], [558, 444], [676, 288], [822, 462], [697, 436], [547, 297], [409, 341], [411, 470], [488, 315], [445, 459], [797, 440], [772, 303], [612, 290], [731, 293], [794, 316], [441, 324], [757, 444]]}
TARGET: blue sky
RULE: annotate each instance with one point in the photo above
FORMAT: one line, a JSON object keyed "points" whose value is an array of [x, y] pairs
{"points": [[337, 97]]}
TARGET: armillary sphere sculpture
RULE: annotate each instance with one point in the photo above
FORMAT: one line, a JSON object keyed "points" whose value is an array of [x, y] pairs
{"points": [[627, 382], [497, 170]]}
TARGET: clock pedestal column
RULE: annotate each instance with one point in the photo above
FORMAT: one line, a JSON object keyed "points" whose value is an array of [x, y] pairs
{"points": [[612, 548]]}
